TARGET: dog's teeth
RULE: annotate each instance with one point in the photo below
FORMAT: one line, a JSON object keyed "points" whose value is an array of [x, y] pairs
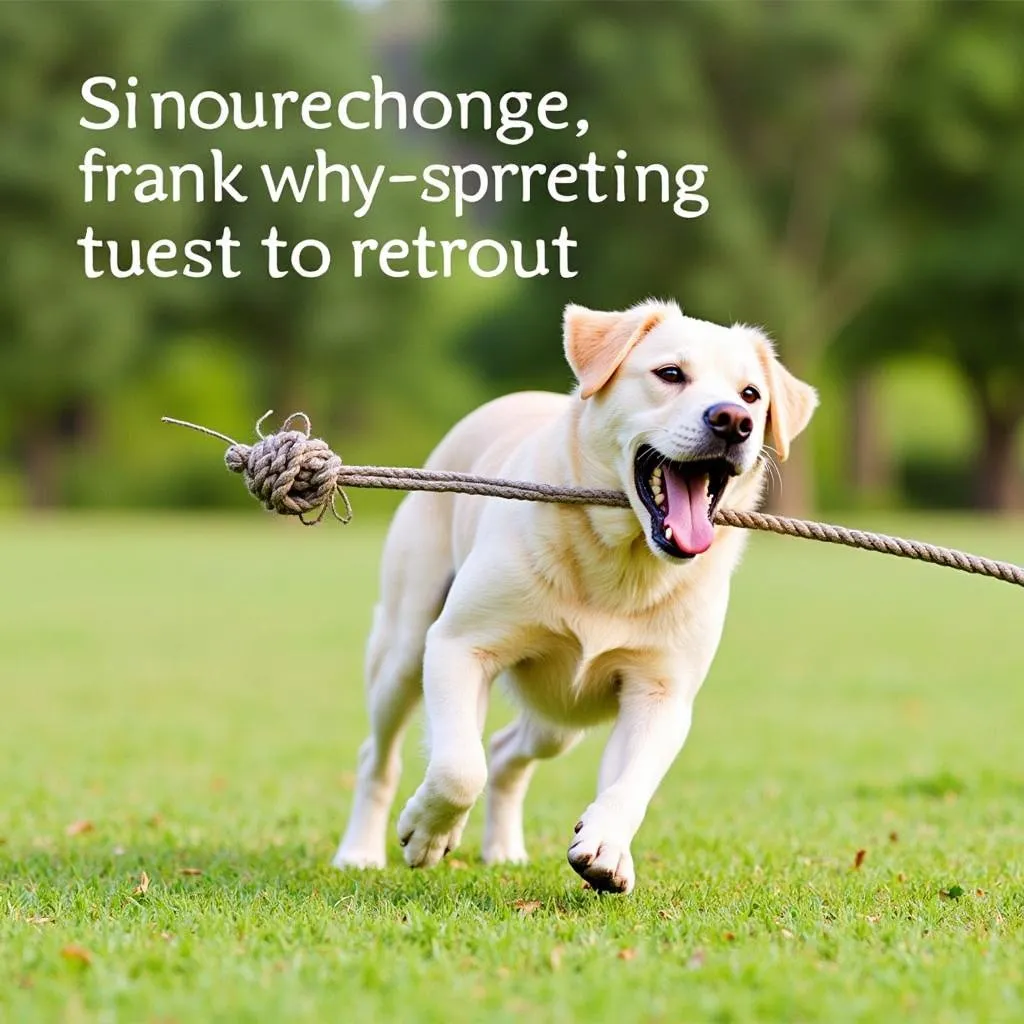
{"points": [[655, 487], [657, 472], [668, 533], [659, 498]]}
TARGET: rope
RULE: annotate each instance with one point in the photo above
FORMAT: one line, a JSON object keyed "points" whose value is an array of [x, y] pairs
{"points": [[292, 473]]}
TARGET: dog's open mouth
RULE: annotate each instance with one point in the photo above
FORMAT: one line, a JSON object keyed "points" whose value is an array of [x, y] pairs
{"points": [[681, 498]]}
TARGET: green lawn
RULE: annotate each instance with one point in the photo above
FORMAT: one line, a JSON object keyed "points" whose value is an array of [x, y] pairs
{"points": [[189, 692]]}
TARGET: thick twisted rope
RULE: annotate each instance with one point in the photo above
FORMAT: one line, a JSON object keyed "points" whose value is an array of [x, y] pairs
{"points": [[292, 473]]}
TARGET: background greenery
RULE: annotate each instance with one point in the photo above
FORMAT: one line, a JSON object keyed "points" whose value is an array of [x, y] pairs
{"points": [[866, 206]]}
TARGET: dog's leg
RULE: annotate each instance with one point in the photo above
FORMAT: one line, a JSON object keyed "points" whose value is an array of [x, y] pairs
{"points": [[416, 575], [651, 728], [515, 751], [455, 675], [393, 671]]}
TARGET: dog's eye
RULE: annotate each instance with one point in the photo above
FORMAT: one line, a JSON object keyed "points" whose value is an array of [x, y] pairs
{"points": [[671, 374], [750, 394]]}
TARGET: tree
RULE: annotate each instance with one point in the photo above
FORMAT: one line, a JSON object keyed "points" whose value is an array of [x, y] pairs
{"points": [[777, 100], [69, 342], [66, 341], [954, 138], [319, 334]]}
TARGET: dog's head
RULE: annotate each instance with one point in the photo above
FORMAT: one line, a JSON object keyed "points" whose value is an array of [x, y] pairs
{"points": [[680, 409]]}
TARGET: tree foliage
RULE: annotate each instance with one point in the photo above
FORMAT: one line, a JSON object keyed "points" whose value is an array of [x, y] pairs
{"points": [[70, 343], [777, 99], [954, 193]]}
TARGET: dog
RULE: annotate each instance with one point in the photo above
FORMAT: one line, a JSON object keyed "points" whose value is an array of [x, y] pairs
{"points": [[585, 613]]}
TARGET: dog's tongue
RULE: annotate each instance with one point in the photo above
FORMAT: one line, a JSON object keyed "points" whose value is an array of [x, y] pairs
{"points": [[687, 511]]}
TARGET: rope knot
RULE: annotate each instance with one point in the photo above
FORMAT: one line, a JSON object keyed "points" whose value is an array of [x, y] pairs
{"points": [[290, 473]]}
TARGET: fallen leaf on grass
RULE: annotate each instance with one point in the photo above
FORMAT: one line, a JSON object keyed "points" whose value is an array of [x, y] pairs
{"points": [[38, 920], [190, 871], [143, 887], [858, 859], [785, 933], [456, 865], [894, 837], [729, 936], [626, 954], [77, 954], [526, 906], [78, 828]]}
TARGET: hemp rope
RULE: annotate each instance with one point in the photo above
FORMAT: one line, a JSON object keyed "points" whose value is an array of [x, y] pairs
{"points": [[293, 473]]}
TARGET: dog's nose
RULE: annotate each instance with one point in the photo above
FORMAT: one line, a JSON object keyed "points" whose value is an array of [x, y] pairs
{"points": [[731, 422]]}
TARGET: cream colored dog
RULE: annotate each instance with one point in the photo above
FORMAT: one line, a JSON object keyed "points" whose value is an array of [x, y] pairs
{"points": [[587, 613]]}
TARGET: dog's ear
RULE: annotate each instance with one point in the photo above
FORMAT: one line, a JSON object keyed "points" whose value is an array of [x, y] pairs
{"points": [[791, 402], [596, 342]]}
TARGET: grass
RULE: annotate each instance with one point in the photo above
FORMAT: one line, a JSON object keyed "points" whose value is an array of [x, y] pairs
{"points": [[189, 693]]}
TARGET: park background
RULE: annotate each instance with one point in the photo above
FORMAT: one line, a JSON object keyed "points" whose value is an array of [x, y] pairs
{"points": [[180, 673], [866, 208]]}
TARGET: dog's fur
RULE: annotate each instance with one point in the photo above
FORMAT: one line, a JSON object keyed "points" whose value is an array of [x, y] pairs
{"points": [[577, 608]]}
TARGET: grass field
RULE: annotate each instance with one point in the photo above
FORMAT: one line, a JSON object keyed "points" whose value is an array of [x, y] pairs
{"points": [[181, 707]]}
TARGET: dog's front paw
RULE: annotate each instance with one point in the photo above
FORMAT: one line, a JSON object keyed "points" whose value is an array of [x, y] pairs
{"points": [[429, 829], [601, 858]]}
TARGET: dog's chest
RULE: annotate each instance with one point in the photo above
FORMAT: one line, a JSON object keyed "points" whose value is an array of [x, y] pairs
{"points": [[573, 677]]}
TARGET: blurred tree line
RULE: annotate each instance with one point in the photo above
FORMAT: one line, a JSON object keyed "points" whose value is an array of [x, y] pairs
{"points": [[867, 206], [88, 366]]}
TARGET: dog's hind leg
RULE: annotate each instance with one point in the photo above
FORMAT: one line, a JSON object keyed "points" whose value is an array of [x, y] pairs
{"points": [[413, 591], [394, 691], [515, 751]]}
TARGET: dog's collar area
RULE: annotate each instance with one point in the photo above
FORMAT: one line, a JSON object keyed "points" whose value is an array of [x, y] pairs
{"points": [[681, 499]]}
